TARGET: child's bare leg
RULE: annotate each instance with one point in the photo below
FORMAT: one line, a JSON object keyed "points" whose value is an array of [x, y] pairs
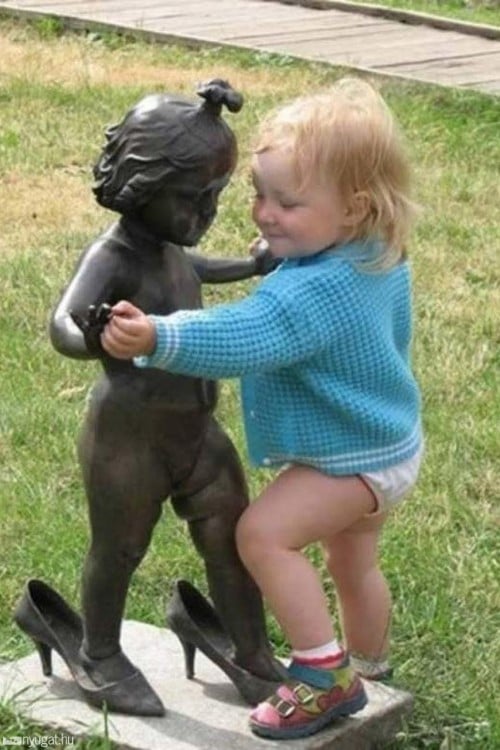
{"points": [[301, 506], [362, 591]]}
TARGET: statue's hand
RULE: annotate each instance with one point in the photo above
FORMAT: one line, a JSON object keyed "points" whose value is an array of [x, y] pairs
{"points": [[265, 262], [92, 326]]}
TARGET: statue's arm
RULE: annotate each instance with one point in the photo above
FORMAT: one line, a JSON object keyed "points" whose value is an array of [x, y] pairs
{"points": [[96, 281], [222, 270]]}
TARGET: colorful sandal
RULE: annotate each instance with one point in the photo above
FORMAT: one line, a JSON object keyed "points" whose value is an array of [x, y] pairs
{"points": [[311, 700]]}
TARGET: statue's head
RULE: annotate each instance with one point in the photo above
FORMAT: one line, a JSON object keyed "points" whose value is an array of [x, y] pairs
{"points": [[168, 160]]}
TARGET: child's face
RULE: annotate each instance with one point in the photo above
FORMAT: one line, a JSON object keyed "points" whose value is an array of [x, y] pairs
{"points": [[295, 222]]}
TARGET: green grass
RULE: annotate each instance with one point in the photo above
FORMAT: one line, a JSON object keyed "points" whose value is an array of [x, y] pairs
{"points": [[441, 549], [472, 11]]}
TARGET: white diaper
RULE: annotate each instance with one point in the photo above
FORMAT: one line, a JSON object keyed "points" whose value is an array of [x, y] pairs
{"points": [[391, 485]]}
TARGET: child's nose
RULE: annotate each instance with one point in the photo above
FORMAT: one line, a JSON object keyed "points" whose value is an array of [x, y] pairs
{"points": [[264, 212]]}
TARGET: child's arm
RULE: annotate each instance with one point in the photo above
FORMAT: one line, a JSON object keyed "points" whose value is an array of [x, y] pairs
{"points": [[258, 333]]}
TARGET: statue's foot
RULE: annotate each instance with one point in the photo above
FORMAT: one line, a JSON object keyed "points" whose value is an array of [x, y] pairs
{"points": [[108, 669], [133, 696], [116, 682]]}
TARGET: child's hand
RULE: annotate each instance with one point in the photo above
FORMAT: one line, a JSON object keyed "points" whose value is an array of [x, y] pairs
{"points": [[129, 332]]}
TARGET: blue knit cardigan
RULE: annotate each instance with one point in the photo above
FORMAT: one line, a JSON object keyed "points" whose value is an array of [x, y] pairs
{"points": [[322, 347]]}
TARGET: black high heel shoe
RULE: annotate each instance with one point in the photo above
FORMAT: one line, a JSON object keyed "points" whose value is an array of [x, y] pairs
{"points": [[196, 624], [51, 623]]}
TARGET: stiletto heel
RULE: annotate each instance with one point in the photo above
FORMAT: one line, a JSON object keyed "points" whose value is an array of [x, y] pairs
{"points": [[51, 624], [45, 653], [189, 652], [196, 624]]}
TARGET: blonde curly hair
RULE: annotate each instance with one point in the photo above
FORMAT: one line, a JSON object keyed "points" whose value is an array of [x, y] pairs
{"points": [[347, 134]]}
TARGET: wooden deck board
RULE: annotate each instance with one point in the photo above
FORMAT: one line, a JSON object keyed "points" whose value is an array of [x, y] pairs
{"points": [[96, 4], [128, 11], [222, 7], [371, 33], [260, 32], [378, 45], [334, 36], [116, 6], [390, 33], [478, 67]]}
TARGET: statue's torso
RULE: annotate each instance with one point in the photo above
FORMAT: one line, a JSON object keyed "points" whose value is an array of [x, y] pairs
{"points": [[159, 280]]}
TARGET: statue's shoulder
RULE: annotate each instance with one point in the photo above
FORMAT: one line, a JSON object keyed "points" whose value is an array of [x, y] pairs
{"points": [[108, 254], [113, 243]]}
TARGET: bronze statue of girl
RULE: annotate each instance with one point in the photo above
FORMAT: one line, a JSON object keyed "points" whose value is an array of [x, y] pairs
{"points": [[150, 435]]}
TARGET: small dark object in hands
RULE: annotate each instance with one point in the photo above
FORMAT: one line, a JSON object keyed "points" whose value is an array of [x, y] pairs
{"points": [[93, 325]]}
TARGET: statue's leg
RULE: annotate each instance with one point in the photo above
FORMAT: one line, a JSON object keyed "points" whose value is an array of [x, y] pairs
{"points": [[212, 500], [126, 483]]}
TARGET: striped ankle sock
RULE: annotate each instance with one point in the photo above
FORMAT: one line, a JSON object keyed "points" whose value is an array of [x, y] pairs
{"points": [[327, 656]]}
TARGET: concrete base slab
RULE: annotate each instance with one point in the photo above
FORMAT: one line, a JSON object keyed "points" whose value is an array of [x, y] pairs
{"points": [[202, 714]]}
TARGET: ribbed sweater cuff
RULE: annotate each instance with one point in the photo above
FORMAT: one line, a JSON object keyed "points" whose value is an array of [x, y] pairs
{"points": [[167, 340]]}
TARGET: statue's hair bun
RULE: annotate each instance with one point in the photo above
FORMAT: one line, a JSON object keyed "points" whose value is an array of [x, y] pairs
{"points": [[217, 93]]}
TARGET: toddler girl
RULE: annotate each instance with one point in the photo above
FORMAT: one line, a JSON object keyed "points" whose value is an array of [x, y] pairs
{"points": [[322, 347]]}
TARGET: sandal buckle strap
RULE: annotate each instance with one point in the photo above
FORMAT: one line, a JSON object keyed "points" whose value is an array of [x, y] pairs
{"points": [[303, 694], [283, 707]]}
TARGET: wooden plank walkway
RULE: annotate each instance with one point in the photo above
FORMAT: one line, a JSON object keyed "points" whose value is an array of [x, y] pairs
{"points": [[351, 39]]}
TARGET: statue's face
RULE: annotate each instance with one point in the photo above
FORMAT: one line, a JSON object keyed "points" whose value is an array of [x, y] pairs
{"points": [[183, 209]]}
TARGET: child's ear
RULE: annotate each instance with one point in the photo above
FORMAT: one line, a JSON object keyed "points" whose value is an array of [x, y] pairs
{"points": [[357, 208]]}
